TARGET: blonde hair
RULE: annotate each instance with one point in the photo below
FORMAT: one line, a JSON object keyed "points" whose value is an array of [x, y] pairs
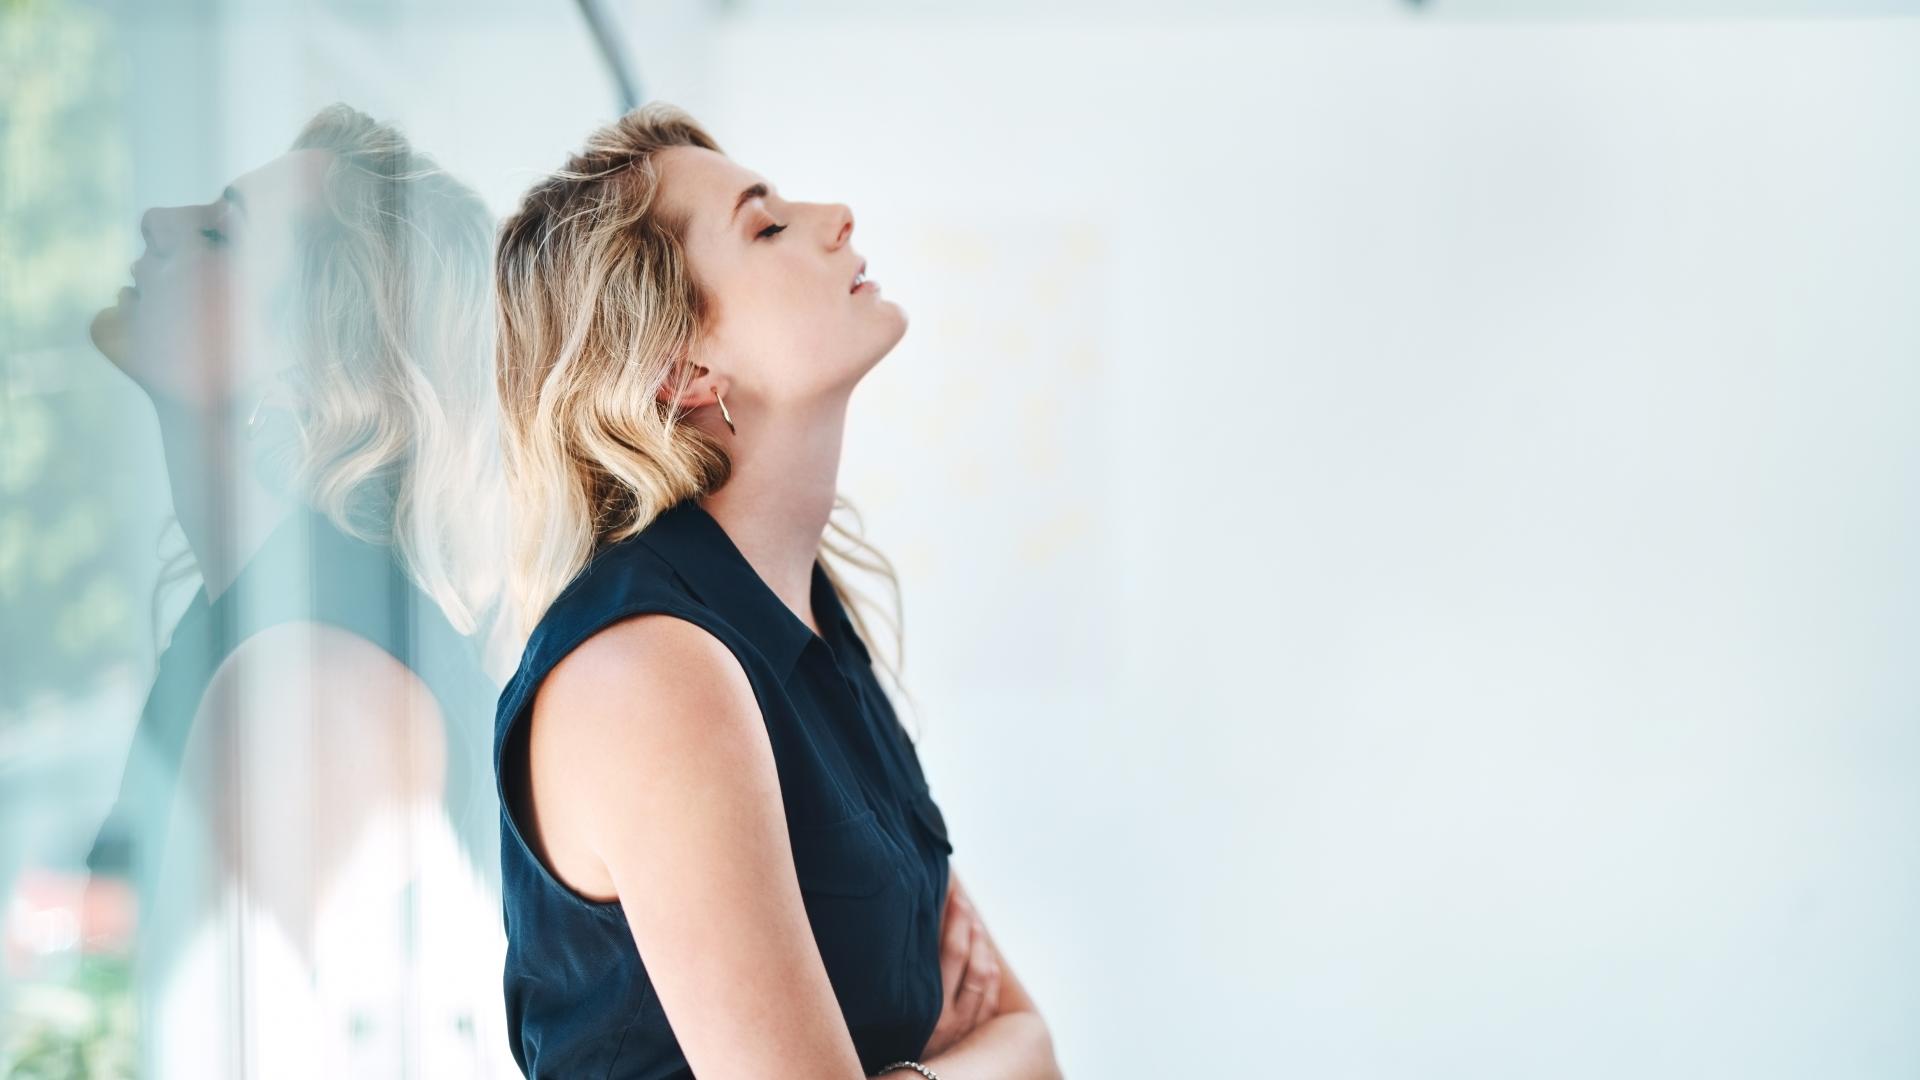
{"points": [[390, 427], [400, 428], [596, 307]]}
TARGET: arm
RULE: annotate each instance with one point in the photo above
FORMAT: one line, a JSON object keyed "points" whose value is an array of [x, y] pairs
{"points": [[1010, 1046], [1013, 995], [1012, 1042], [307, 752], [650, 764]]}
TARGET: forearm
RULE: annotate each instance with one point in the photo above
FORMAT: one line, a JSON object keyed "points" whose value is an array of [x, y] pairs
{"points": [[1013, 994], [1009, 1046]]}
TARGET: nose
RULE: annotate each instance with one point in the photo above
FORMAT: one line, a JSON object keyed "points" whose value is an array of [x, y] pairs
{"points": [[158, 226], [843, 219]]}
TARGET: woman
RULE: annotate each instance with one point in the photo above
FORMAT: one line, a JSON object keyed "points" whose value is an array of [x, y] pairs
{"points": [[719, 854], [314, 343]]}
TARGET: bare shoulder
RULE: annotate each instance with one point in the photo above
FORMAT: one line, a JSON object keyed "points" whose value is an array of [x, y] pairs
{"points": [[643, 715], [653, 691], [341, 687], [654, 780], [297, 715], [671, 659]]}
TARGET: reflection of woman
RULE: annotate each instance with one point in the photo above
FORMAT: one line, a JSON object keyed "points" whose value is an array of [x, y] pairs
{"points": [[697, 764], [314, 345]]}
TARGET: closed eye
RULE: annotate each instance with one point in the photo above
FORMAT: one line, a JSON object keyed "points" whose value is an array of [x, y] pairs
{"points": [[770, 230]]}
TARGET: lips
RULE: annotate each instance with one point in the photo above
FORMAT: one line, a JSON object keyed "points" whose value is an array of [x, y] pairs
{"points": [[856, 275]]}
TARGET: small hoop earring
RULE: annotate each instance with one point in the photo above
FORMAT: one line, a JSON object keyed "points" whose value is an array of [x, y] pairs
{"points": [[723, 412]]}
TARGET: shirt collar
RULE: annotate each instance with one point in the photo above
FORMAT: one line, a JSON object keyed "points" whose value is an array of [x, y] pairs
{"points": [[706, 558]]}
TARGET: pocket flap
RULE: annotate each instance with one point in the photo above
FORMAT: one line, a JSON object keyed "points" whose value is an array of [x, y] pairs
{"points": [[929, 814], [843, 858]]}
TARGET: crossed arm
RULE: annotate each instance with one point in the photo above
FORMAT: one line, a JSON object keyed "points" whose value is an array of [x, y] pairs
{"points": [[989, 1024], [683, 788]]}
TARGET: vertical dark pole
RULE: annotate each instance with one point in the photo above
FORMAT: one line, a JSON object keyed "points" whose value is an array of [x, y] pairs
{"points": [[611, 52]]}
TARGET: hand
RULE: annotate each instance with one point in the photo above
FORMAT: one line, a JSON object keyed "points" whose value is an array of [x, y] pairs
{"points": [[969, 971]]}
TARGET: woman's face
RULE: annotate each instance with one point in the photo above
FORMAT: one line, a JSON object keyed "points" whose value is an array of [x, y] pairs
{"points": [[196, 324], [786, 325]]}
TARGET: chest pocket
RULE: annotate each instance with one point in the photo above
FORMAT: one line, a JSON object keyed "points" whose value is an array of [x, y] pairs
{"points": [[861, 909], [842, 858], [918, 794]]}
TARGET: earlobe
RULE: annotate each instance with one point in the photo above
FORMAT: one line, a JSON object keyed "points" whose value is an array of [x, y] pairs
{"points": [[694, 395], [690, 396]]}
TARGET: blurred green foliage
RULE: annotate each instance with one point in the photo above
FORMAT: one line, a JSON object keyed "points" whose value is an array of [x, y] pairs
{"points": [[78, 1029], [72, 586], [72, 600]]}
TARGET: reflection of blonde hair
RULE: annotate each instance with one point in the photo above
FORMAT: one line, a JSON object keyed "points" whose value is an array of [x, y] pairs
{"points": [[391, 316], [598, 309]]}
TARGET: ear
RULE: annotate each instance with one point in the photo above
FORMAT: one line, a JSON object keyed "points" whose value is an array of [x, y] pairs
{"points": [[699, 389]]}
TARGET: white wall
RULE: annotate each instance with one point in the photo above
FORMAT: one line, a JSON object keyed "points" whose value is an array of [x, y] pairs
{"points": [[1405, 528], [1402, 525]]}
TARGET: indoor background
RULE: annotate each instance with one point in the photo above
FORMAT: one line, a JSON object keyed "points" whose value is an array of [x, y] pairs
{"points": [[1404, 511]]}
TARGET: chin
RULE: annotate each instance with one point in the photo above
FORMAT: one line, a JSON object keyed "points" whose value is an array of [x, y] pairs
{"points": [[900, 323], [108, 333]]}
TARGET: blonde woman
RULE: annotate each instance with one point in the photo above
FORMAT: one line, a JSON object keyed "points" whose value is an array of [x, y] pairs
{"points": [[719, 854], [315, 343]]}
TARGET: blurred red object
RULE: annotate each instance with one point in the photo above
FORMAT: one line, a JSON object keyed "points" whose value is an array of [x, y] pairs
{"points": [[53, 911]]}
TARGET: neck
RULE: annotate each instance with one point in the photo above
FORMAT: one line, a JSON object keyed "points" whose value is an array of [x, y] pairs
{"points": [[775, 504], [224, 510]]}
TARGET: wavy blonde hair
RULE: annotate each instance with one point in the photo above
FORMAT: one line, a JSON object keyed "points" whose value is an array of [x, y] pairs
{"points": [[597, 304], [400, 426], [389, 426]]}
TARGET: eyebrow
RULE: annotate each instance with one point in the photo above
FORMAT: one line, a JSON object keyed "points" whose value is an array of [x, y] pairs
{"points": [[233, 196], [757, 191]]}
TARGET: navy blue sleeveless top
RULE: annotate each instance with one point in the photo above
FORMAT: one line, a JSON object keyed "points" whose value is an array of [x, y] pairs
{"points": [[869, 844]]}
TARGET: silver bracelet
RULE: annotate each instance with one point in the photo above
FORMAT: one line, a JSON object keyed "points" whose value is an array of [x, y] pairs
{"points": [[914, 1065]]}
